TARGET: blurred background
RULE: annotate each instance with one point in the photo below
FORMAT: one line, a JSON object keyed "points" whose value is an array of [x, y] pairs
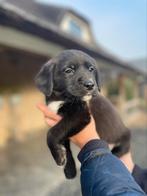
{"points": [[31, 32]]}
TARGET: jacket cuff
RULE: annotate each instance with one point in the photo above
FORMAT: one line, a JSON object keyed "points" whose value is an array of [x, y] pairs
{"points": [[93, 148]]}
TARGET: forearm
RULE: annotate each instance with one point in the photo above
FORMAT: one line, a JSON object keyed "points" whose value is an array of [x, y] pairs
{"points": [[101, 172], [104, 174]]}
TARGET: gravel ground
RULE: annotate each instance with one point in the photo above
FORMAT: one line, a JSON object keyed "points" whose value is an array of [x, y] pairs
{"points": [[28, 169], [139, 147]]}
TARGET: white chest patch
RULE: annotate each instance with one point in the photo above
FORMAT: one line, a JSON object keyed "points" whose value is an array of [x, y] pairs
{"points": [[55, 105], [87, 98]]}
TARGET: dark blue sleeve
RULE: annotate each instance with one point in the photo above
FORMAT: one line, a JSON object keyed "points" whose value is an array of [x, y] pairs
{"points": [[103, 174]]}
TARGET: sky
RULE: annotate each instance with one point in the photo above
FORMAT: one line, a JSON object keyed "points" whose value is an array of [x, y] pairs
{"points": [[119, 26]]}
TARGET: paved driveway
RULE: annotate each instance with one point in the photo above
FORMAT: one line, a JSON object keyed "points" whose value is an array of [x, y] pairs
{"points": [[28, 169]]}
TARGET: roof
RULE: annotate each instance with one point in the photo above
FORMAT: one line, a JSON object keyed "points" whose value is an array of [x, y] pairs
{"points": [[47, 12], [140, 64], [17, 17]]}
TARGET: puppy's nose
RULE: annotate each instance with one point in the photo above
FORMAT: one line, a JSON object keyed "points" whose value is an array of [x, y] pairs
{"points": [[89, 85]]}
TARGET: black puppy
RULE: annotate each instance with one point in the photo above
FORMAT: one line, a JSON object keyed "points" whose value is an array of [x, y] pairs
{"points": [[71, 79]]}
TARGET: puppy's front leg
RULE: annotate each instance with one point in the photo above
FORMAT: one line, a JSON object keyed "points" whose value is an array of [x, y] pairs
{"points": [[70, 166], [54, 136], [67, 127]]}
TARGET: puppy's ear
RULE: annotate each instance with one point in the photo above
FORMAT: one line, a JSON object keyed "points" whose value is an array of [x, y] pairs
{"points": [[44, 79], [98, 79]]}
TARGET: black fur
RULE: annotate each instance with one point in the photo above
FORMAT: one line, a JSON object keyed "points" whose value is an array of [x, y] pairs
{"points": [[69, 77], [109, 125]]}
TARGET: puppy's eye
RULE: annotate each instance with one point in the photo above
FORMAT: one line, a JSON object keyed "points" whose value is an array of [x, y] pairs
{"points": [[68, 70], [72, 66], [91, 68]]}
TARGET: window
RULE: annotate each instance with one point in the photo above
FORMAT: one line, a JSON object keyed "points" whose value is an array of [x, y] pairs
{"points": [[75, 28]]}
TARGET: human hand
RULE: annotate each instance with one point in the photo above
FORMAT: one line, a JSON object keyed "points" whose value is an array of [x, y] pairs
{"points": [[81, 138]]}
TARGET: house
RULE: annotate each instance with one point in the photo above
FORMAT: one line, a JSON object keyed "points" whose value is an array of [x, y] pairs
{"points": [[30, 34]]}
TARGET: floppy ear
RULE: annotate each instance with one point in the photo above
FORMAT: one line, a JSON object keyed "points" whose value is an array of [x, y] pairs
{"points": [[44, 79], [98, 79]]}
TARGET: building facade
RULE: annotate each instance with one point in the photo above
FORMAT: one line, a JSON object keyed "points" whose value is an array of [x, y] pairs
{"points": [[30, 34]]}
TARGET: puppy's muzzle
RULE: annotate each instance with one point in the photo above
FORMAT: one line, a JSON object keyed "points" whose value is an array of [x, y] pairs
{"points": [[88, 85]]}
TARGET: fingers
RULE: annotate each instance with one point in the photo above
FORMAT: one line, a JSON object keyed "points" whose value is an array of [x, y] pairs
{"points": [[50, 122], [48, 113]]}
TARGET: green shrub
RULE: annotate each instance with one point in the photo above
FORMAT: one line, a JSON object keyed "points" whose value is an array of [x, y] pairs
{"points": [[113, 88], [129, 89]]}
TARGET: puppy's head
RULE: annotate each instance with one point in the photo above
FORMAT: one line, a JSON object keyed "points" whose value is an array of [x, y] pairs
{"points": [[72, 72]]}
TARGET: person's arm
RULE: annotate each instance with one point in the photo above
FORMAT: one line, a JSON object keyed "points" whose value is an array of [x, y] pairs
{"points": [[101, 173], [104, 174]]}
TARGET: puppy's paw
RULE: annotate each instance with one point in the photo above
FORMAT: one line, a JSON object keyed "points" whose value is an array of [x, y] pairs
{"points": [[70, 167], [70, 173], [61, 156]]}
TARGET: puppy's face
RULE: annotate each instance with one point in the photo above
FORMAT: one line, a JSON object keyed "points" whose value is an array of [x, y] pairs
{"points": [[72, 72]]}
